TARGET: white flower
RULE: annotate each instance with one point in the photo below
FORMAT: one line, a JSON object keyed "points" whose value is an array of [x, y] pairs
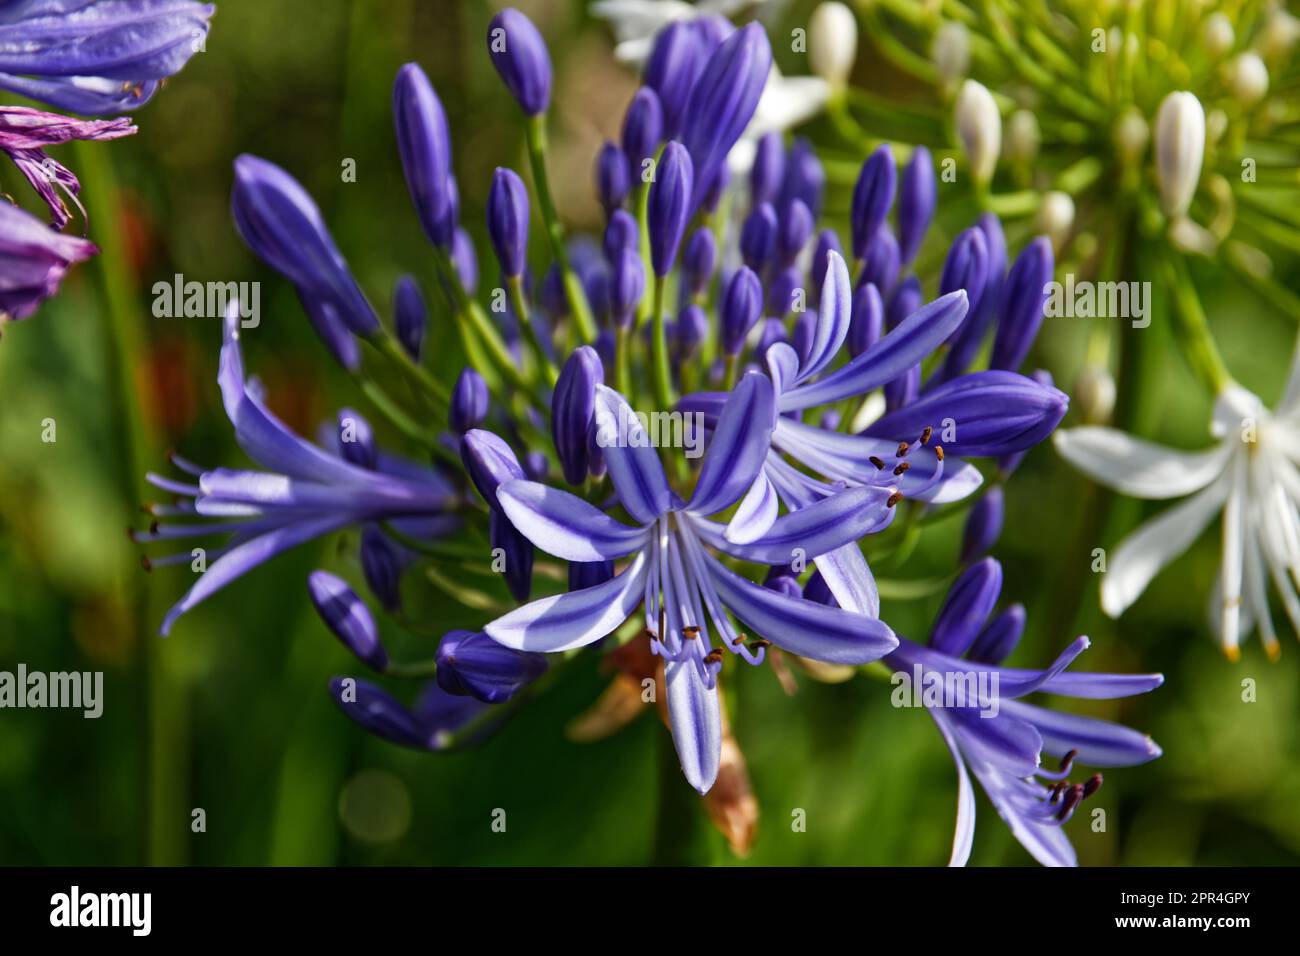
{"points": [[1180, 149], [979, 124], [832, 42], [1250, 476]]}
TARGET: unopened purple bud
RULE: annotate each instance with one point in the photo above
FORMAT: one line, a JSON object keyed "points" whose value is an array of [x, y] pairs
{"points": [[903, 301], [713, 194], [873, 195], [1024, 297], [488, 461], [968, 605], [801, 339], [881, 264], [983, 308], [573, 406], [356, 439], [867, 319], [643, 125], [336, 337], [758, 237], [377, 711], [465, 261], [348, 617], [626, 286], [472, 664], [1008, 464], [772, 331], [818, 591], [382, 564], [410, 315], [784, 292], [713, 29], [916, 201], [612, 183], [965, 268], [796, 229], [675, 63], [723, 102], [520, 56], [698, 260], [604, 346], [536, 466], [469, 401], [517, 553], [827, 242], [589, 574], [768, 171], [507, 221], [621, 233], [669, 206], [983, 525], [999, 637], [783, 580], [903, 390], [742, 306], [692, 329], [804, 177], [424, 143]]}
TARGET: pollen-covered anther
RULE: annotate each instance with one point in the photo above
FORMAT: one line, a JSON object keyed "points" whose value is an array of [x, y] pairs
{"points": [[1073, 797], [938, 452], [739, 639], [691, 633], [902, 467], [902, 448], [894, 499], [925, 435], [1068, 760], [759, 643], [880, 465], [1091, 785], [714, 656]]}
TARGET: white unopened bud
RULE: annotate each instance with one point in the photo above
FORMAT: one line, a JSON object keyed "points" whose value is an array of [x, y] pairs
{"points": [[1280, 33], [1131, 135], [1023, 136], [979, 124], [1180, 150], [1094, 394], [1247, 77], [1056, 217], [1218, 35], [832, 42], [951, 51]]}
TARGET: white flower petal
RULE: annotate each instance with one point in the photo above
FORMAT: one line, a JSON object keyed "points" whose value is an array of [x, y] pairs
{"points": [[1136, 467]]}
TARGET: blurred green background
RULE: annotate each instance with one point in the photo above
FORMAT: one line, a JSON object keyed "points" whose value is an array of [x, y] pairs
{"points": [[230, 714]]}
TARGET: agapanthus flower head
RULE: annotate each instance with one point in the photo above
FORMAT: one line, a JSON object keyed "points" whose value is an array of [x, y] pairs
{"points": [[520, 56], [33, 261], [97, 56]]}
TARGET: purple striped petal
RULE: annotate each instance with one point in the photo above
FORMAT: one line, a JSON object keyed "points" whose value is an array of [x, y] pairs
{"points": [[740, 443], [564, 525], [633, 464], [833, 314]]}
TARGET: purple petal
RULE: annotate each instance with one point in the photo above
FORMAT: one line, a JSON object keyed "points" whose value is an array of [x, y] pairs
{"points": [[564, 525], [633, 464], [740, 443]]}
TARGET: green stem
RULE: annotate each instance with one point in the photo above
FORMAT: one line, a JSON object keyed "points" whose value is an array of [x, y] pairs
{"points": [[515, 287], [555, 230], [1192, 328], [388, 346], [663, 383], [476, 326]]}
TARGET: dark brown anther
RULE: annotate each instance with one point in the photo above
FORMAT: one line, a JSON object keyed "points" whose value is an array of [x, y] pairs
{"points": [[737, 641], [925, 435], [663, 613], [153, 527], [902, 467], [145, 562], [938, 452], [714, 656], [759, 643], [1068, 759], [902, 448], [1055, 793], [691, 633], [1072, 798], [894, 499], [1091, 785], [880, 465]]}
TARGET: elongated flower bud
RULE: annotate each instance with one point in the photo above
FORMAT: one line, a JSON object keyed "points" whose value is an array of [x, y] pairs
{"points": [[283, 226], [723, 102], [507, 220], [903, 301], [1247, 77], [520, 56], [669, 206], [984, 305], [347, 616], [674, 65], [1024, 298], [573, 407], [999, 637], [1180, 150], [699, 259], [692, 329], [488, 461], [782, 290], [626, 286], [1023, 136], [903, 390], [827, 242], [867, 319], [517, 552], [771, 332], [472, 664], [966, 268], [951, 52], [794, 232], [979, 124], [968, 605], [612, 182], [465, 261], [377, 711], [621, 233], [643, 126], [382, 564], [916, 201], [832, 42], [1095, 391], [768, 171], [1008, 463], [1217, 34], [424, 142], [983, 525], [742, 306], [758, 237], [410, 315], [356, 439], [882, 262], [873, 196], [804, 177], [469, 401]]}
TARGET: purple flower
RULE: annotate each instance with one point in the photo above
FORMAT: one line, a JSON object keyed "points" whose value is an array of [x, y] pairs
{"points": [[1023, 301], [669, 206], [643, 130], [983, 525], [507, 221], [475, 665], [796, 229], [432, 724], [520, 56], [867, 321], [33, 260], [283, 226], [424, 143], [303, 493], [675, 62], [993, 734], [382, 564], [97, 56], [916, 201], [742, 307], [723, 102], [970, 337], [410, 315], [692, 328], [626, 286], [573, 407], [768, 171], [699, 259], [24, 135], [469, 401], [612, 183], [680, 584], [881, 263], [873, 195], [758, 237], [621, 232], [804, 177], [347, 616]]}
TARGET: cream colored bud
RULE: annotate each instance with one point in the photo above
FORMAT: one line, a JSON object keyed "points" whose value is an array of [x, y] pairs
{"points": [[1218, 35], [1247, 77], [1094, 394], [951, 51], [1180, 150], [832, 42], [979, 124], [1056, 217], [1023, 136], [1280, 33], [1131, 135]]}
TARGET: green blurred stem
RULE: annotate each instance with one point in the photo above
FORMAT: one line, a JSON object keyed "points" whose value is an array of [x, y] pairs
{"points": [[1192, 328], [555, 230], [388, 346], [663, 383], [124, 345], [622, 341], [515, 288], [475, 326]]}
